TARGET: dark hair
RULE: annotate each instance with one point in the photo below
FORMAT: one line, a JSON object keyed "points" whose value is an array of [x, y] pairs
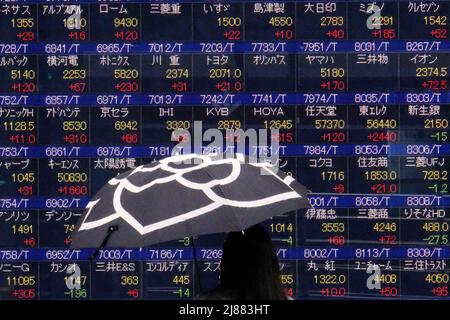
{"points": [[249, 266]]}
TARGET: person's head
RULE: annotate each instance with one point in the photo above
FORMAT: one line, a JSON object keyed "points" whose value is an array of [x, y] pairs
{"points": [[250, 267]]}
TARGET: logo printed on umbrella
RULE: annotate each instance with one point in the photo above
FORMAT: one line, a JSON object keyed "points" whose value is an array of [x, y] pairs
{"points": [[178, 175]]}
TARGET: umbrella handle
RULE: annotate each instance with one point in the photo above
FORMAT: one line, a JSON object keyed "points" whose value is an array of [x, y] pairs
{"points": [[111, 229], [197, 269]]}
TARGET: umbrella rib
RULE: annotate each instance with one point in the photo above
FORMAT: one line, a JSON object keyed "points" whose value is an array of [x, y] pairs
{"points": [[219, 187]]}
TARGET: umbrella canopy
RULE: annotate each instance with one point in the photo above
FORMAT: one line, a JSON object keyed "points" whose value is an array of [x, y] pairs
{"points": [[186, 195]]}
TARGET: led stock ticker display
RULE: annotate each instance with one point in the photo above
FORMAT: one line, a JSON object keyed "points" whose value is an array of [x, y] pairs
{"points": [[358, 92]]}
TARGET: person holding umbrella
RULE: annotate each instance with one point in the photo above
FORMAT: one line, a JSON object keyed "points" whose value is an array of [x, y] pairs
{"points": [[249, 268], [190, 195]]}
